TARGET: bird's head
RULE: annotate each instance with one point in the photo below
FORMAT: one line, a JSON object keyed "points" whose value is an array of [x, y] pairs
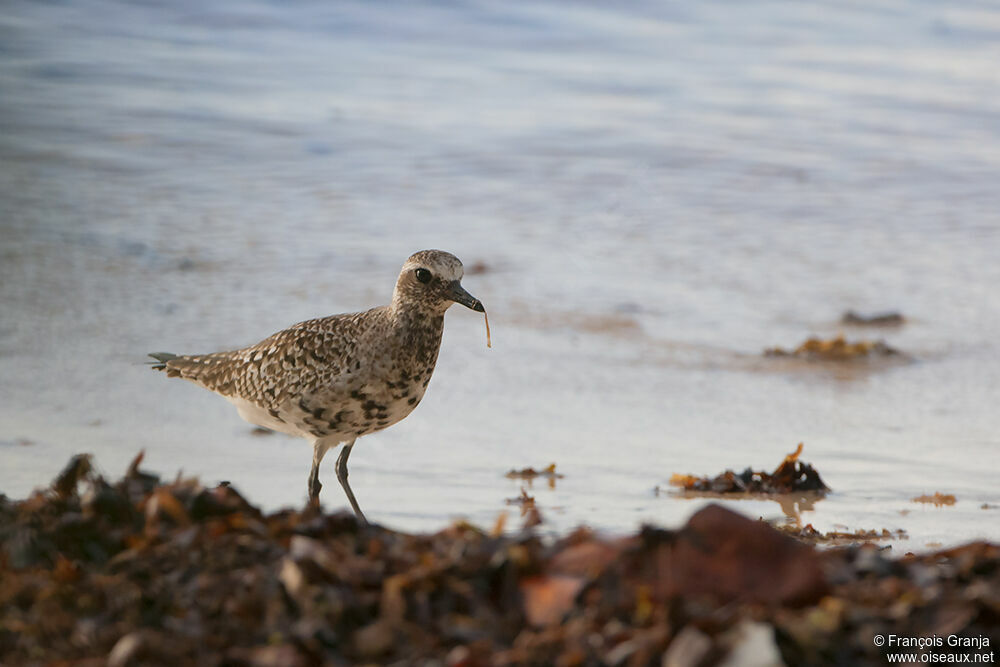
{"points": [[432, 280]]}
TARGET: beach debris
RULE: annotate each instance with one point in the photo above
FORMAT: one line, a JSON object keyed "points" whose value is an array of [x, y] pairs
{"points": [[548, 598], [938, 499], [549, 472], [499, 525], [835, 349], [809, 534], [141, 571], [696, 562], [78, 468], [791, 476], [889, 319], [523, 501], [529, 510]]}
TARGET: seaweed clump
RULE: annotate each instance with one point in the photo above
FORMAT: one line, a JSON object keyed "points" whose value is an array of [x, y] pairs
{"points": [[791, 476], [809, 534], [530, 473], [938, 499], [142, 572], [836, 349]]}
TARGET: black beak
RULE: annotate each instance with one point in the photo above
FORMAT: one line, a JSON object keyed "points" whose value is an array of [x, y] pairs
{"points": [[458, 294]]}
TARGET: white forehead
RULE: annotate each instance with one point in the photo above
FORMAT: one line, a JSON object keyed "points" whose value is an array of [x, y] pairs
{"points": [[442, 264]]}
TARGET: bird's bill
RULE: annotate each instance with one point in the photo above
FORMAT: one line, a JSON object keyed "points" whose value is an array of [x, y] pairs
{"points": [[459, 295]]}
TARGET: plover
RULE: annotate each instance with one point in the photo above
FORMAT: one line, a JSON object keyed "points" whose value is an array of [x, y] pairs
{"points": [[337, 378]]}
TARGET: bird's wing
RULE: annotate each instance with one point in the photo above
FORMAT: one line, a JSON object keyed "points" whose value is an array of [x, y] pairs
{"points": [[307, 355]]}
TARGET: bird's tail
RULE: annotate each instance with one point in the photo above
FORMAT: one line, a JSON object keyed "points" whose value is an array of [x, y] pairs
{"points": [[212, 371], [161, 360]]}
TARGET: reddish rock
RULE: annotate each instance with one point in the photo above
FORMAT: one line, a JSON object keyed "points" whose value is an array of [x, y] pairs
{"points": [[728, 557]]}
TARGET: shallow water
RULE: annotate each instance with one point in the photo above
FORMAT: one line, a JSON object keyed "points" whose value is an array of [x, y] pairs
{"points": [[657, 193]]}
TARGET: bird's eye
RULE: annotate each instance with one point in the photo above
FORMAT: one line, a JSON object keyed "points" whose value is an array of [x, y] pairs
{"points": [[423, 275]]}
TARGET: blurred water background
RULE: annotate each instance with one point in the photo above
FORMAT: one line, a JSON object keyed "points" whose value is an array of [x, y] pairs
{"points": [[650, 193]]}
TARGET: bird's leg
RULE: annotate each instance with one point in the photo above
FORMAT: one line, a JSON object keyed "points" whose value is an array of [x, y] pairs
{"points": [[319, 450], [342, 477]]}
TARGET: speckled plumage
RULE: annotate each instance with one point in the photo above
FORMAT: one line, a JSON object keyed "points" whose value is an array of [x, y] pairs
{"points": [[336, 378]]}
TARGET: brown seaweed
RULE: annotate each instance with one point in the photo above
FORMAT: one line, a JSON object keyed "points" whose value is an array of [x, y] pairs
{"points": [[836, 349], [809, 534], [938, 499], [530, 474], [140, 571], [791, 476]]}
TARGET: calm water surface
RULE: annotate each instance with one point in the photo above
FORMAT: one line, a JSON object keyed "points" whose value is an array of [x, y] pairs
{"points": [[657, 193]]}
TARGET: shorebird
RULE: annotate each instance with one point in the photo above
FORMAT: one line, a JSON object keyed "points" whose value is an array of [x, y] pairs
{"points": [[334, 379]]}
